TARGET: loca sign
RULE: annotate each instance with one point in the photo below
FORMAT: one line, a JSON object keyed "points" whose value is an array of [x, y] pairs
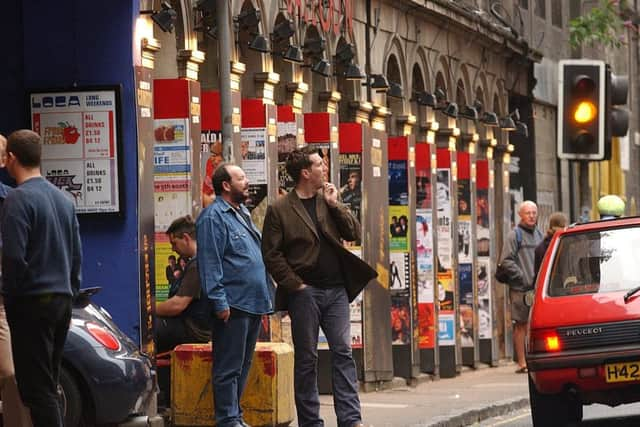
{"points": [[326, 12]]}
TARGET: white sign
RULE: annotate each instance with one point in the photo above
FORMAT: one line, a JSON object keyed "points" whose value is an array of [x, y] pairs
{"points": [[79, 133]]}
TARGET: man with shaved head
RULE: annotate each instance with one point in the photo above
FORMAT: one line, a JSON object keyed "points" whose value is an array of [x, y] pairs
{"points": [[518, 257]]}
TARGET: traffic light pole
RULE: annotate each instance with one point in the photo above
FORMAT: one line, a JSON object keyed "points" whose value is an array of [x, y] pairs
{"points": [[585, 193]]}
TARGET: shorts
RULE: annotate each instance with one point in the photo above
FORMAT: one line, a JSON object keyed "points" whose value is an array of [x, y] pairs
{"points": [[519, 310]]}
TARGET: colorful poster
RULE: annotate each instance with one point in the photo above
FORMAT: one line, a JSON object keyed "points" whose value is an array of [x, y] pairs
{"points": [[423, 188], [286, 133], [426, 325], [80, 138], [167, 265], [446, 329], [444, 221], [398, 184], [482, 218], [400, 318], [398, 228], [484, 298], [466, 304], [351, 181], [210, 156], [445, 291], [465, 243]]}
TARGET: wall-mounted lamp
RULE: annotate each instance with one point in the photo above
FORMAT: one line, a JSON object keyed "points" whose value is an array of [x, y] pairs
{"points": [[283, 31], [353, 72], [293, 54], [425, 98], [469, 112], [165, 18], [489, 118], [210, 31], [321, 67], [440, 95], [522, 129], [451, 110], [395, 90], [377, 82], [507, 123], [259, 44]]}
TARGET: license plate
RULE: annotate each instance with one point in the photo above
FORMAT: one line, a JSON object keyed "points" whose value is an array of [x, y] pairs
{"points": [[621, 372]]}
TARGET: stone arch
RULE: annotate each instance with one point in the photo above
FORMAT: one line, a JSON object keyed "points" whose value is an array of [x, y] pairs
{"points": [[349, 89], [463, 76], [418, 85], [395, 69]]}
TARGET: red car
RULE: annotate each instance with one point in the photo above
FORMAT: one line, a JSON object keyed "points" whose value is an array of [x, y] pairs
{"points": [[584, 330]]}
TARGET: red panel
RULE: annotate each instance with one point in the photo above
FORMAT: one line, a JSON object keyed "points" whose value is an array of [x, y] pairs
{"points": [[398, 147], [317, 127], [253, 114], [423, 161], [444, 158], [482, 174], [211, 111], [286, 114], [350, 137], [170, 99], [463, 165]]}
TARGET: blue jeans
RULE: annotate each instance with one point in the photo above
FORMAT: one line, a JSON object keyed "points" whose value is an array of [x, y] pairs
{"points": [[233, 346], [309, 309]]}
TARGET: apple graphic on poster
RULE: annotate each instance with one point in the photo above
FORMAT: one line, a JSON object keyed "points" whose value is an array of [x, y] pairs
{"points": [[70, 133]]}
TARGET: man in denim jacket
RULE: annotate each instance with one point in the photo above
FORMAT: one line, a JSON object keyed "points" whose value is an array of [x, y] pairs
{"points": [[239, 290]]}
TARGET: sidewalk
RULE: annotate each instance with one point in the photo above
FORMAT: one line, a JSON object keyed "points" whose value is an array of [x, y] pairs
{"points": [[470, 397]]}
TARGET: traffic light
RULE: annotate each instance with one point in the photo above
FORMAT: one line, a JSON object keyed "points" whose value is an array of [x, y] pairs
{"points": [[582, 109], [616, 117]]}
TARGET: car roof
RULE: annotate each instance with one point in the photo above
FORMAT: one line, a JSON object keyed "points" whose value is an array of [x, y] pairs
{"points": [[603, 224]]}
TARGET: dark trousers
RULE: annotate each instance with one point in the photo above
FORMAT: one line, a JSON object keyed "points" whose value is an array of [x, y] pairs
{"points": [[310, 309], [39, 326], [233, 346], [170, 332]]}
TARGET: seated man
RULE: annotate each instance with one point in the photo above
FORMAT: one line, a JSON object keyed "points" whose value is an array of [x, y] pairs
{"points": [[184, 317]]}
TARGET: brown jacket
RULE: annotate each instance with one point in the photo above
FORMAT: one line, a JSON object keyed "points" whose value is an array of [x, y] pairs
{"points": [[290, 244]]}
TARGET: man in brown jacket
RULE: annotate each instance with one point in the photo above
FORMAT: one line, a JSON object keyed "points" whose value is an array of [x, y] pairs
{"points": [[317, 278]]}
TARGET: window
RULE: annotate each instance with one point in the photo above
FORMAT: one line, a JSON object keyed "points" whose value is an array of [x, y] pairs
{"points": [[556, 13], [541, 8]]}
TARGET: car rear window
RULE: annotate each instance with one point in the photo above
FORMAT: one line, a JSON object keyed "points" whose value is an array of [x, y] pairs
{"points": [[596, 262]]}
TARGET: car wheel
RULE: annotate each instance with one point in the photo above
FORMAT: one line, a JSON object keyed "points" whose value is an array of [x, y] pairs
{"points": [[70, 399], [557, 409]]}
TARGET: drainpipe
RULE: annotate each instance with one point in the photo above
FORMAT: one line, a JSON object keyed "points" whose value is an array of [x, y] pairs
{"points": [[225, 43], [367, 49]]}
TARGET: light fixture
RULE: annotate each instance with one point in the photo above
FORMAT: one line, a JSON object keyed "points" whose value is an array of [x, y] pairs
{"points": [[248, 19], [165, 18], [283, 31], [469, 112], [378, 83], [507, 123], [353, 73], [345, 53], [293, 54], [395, 90], [425, 98], [322, 67], [522, 129], [440, 95], [259, 44], [489, 118], [451, 110], [315, 46], [210, 31], [205, 5]]}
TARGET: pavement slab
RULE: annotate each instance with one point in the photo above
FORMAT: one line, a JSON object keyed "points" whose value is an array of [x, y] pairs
{"points": [[472, 396]]}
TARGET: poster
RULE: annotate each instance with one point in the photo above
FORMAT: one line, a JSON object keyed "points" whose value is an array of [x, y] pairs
{"points": [[423, 188], [466, 304], [482, 219], [351, 182], [253, 151], [210, 157], [398, 184], [484, 298], [465, 243], [398, 271], [400, 319], [286, 134], [355, 309], [398, 228], [426, 325], [444, 221], [446, 329], [80, 134]]}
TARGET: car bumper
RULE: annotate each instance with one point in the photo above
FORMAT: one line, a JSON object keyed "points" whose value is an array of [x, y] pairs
{"points": [[570, 371]]}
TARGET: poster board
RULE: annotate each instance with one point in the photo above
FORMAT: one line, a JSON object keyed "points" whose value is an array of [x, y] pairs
{"points": [[81, 140]]}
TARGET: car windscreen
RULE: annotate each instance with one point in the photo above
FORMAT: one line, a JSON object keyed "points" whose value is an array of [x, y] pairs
{"points": [[596, 262]]}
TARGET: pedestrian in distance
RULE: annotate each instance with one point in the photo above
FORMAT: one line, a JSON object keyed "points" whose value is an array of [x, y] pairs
{"points": [[41, 262], [237, 286], [14, 413], [184, 316], [317, 278], [518, 256], [557, 222]]}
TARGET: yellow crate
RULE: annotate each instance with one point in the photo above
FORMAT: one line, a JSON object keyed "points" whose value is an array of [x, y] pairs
{"points": [[268, 396]]}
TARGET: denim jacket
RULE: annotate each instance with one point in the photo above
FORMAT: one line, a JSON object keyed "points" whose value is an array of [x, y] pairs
{"points": [[232, 272]]}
